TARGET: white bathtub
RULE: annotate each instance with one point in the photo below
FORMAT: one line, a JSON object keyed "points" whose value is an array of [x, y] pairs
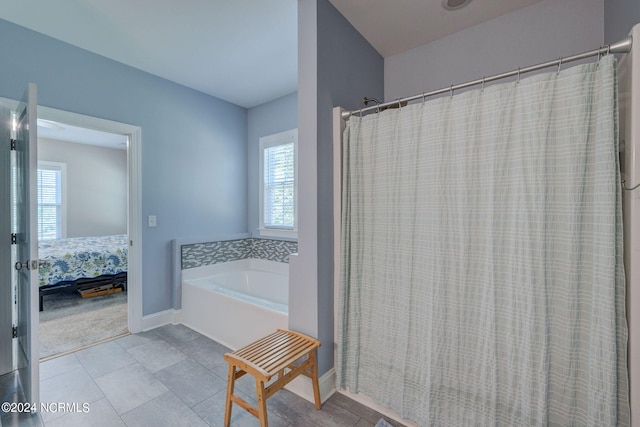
{"points": [[236, 302]]}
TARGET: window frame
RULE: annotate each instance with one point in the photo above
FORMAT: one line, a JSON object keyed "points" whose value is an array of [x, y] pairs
{"points": [[62, 167], [266, 142]]}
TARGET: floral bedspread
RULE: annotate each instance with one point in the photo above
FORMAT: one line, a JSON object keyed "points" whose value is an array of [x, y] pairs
{"points": [[81, 257]]}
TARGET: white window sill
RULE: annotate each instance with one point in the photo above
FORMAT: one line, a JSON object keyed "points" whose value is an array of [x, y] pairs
{"points": [[276, 232]]}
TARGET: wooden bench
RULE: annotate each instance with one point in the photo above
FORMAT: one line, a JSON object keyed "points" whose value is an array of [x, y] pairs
{"points": [[282, 355]]}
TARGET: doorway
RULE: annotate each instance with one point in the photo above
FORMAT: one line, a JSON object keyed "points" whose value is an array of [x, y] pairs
{"points": [[134, 226], [82, 236]]}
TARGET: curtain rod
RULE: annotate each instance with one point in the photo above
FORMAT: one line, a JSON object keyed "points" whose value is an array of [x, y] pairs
{"points": [[623, 46]]}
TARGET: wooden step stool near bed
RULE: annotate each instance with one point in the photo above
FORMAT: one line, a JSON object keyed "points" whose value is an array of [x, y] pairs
{"points": [[282, 355]]}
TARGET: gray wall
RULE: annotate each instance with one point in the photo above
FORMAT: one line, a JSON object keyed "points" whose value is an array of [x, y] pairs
{"points": [[337, 68], [194, 146], [544, 31], [271, 117], [96, 186], [619, 17]]}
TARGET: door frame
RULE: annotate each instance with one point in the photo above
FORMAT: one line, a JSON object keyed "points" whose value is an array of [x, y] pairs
{"points": [[134, 195]]}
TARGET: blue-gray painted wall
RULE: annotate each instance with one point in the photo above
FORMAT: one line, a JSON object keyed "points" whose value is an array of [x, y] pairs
{"points": [[194, 146], [338, 67], [271, 117], [349, 68], [619, 17]]}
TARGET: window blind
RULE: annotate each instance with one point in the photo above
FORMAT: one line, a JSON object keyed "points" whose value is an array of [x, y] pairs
{"points": [[279, 186], [49, 203]]}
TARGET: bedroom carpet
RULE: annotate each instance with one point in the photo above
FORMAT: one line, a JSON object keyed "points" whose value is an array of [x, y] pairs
{"points": [[69, 322]]}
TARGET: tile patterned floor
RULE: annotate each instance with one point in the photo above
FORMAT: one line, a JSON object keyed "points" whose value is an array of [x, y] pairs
{"points": [[171, 376]]}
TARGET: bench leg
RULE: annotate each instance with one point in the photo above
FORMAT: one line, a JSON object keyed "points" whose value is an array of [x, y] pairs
{"points": [[314, 378], [262, 403], [231, 378]]}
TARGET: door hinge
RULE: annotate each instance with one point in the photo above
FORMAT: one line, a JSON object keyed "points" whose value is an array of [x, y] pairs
{"points": [[14, 331], [13, 145], [14, 238]]}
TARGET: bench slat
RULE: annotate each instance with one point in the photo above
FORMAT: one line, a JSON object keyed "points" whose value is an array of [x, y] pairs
{"points": [[267, 357]]}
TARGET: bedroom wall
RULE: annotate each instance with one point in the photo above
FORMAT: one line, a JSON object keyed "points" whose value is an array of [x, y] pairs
{"points": [[96, 186], [541, 32], [194, 146], [271, 117]]}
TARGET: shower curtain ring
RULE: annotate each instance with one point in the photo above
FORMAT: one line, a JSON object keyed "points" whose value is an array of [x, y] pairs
{"points": [[608, 49], [424, 97], [518, 75], [399, 104], [483, 77], [559, 64], [451, 90]]}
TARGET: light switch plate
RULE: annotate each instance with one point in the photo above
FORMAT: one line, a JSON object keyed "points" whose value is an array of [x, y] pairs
{"points": [[151, 220]]}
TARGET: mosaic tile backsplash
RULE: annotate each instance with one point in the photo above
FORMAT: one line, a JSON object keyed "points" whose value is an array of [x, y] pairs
{"points": [[200, 254]]}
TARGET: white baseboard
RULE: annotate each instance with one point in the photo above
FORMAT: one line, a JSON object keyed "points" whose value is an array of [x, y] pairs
{"points": [[177, 317], [161, 318], [302, 386]]}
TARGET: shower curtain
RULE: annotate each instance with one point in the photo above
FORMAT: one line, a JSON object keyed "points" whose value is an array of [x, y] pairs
{"points": [[482, 280]]}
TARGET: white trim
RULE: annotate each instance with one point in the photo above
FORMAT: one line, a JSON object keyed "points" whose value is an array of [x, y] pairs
{"points": [[280, 138], [134, 276], [629, 107], [161, 318], [7, 357], [278, 232], [339, 124], [303, 387]]}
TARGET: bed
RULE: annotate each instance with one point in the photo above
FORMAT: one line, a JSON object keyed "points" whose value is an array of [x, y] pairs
{"points": [[80, 263]]}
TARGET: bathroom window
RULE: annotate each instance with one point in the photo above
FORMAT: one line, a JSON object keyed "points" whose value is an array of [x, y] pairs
{"points": [[278, 184], [51, 212]]}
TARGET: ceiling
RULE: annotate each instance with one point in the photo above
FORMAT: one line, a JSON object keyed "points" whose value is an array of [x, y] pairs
{"points": [[396, 26], [63, 132], [242, 51]]}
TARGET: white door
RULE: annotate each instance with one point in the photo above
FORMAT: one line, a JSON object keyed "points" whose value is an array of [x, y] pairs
{"points": [[6, 266], [27, 244]]}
